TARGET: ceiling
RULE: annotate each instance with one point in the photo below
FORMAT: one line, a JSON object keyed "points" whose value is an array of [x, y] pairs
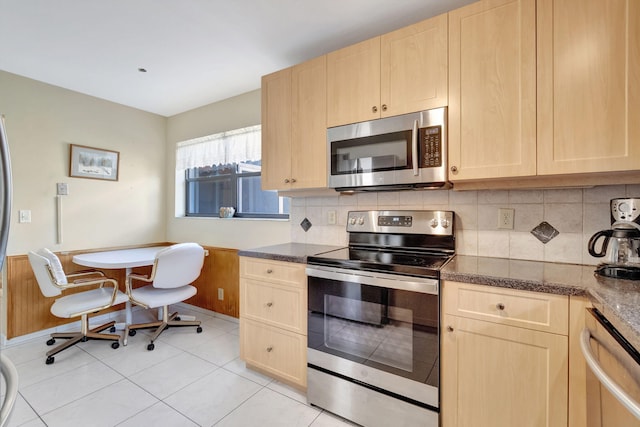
{"points": [[195, 52]]}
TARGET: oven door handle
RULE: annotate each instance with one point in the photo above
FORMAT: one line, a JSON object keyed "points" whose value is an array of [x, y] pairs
{"points": [[406, 283], [414, 147], [610, 384]]}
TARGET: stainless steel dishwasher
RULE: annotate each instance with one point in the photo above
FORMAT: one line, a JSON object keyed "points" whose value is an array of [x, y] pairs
{"points": [[613, 380]]}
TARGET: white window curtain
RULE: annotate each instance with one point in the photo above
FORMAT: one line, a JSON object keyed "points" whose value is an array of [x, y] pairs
{"points": [[235, 146]]}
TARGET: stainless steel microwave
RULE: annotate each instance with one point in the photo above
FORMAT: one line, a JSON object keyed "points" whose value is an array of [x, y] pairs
{"points": [[400, 152]]}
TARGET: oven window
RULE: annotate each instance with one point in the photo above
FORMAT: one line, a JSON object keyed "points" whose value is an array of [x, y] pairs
{"points": [[391, 330], [386, 152]]}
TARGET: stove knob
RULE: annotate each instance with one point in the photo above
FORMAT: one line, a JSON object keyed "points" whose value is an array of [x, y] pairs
{"points": [[352, 221], [445, 223], [361, 220], [434, 223]]}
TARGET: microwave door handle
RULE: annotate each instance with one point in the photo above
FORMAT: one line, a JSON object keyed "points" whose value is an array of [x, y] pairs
{"points": [[414, 147]]}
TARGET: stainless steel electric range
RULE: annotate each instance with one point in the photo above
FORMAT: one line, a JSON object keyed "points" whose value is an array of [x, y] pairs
{"points": [[373, 318]]}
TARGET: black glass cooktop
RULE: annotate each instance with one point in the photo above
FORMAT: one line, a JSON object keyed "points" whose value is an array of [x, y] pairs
{"points": [[424, 264]]}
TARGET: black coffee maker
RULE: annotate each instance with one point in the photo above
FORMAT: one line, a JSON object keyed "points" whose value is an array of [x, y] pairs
{"points": [[621, 244]]}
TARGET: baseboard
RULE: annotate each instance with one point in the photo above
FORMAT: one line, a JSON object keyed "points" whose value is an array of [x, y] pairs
{"points": [[97, 320]]}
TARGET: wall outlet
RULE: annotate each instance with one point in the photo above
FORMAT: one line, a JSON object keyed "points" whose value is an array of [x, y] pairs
{"points": [[331, 218], [24, 216], [505, 218], [221, 294]]}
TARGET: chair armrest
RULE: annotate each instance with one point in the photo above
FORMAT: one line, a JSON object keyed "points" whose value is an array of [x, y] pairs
{"points": [[102, 281], [84, 273]]}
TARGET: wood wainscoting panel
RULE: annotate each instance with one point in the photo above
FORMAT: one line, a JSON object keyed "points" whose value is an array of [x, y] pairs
{"points": [[220, 270], [28, 310]]}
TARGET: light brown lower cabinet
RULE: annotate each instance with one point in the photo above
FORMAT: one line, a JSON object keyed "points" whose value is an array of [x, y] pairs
{"points": [[273, 318], [500, 365]]}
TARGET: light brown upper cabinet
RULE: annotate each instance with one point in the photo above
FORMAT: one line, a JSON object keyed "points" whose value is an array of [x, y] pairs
{"points": [[294, 127], [399, 72], [588, 86], [492, 90]]}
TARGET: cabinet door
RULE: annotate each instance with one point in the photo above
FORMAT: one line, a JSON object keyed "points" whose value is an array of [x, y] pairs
{"points": [[414, 67], [589, 86], [309, 124], [502, 376], [279, 352], [492, 90], [353, 83], [276, 130]]}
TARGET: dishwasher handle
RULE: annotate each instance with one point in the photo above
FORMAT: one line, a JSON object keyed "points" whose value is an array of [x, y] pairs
{"points": [[612, 386]]}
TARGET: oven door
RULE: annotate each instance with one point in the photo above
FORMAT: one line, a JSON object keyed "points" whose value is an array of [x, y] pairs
{"points": [[375, 329], [613, 377]]}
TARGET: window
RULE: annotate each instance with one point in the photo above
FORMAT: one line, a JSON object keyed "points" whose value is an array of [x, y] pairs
{"points": [[224, 170]]}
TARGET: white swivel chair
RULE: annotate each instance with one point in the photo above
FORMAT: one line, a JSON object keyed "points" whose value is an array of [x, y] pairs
{"points": [[52, 281], [174, 269]]}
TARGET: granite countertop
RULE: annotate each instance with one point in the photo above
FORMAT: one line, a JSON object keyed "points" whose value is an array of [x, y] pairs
{"points": [[618, 300], [290, 252]]}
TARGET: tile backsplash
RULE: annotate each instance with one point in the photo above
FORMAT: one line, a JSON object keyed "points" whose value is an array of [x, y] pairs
{"points": [[575, 213]]}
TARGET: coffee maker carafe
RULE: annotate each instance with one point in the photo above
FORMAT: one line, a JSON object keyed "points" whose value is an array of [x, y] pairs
{"points": [[621, 244]]}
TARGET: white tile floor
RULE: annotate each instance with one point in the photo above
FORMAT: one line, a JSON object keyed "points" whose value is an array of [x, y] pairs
{"points": [[189, 379]]}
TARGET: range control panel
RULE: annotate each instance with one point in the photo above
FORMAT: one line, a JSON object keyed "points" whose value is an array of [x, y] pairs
{"points": [[407, 222]]}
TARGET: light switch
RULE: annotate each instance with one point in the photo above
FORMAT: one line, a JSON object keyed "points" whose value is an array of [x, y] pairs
{"points": [[24, 216]]}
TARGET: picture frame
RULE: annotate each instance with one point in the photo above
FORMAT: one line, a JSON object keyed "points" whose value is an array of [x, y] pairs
{"points": [[93, 163]]}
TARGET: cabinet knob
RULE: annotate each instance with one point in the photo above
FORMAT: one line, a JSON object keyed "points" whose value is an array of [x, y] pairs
{"points": [[293, 180], [269, 271], [450, 328], [384, 107], [374, 109], [269, 304], [286, 181], [454, 169], [500, 306], [269, 349]]}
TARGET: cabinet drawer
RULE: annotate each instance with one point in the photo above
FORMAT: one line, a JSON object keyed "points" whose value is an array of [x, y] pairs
{"points": [[279, 352], [277, 305], [532, 310], [274, 271]]}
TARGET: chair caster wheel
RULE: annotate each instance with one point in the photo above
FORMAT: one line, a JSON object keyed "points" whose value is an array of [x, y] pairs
{"points": [[50, 360], [177, 319], [151, 347], [52, 341], [132, 332], [84, 339], [115, 345], [112, 329], [199, 329]]}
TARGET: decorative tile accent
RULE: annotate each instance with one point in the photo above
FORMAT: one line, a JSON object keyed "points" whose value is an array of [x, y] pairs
{"points": [[544, 232], [305, 224]]}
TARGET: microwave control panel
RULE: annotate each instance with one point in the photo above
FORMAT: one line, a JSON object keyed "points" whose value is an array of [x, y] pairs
{"points": [[430, 147]]}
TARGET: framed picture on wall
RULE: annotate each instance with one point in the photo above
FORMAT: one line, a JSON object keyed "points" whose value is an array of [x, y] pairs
{"points": [[95, 163]]}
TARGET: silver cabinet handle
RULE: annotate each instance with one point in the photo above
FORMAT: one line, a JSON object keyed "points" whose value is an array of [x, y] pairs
{"points": [[269, 271], [450, 328], [269, 349], [454, 169], [384, 107], [374, 109], [293, 180], [615, 389], [500, 306], [286, 181], [269, 304]]}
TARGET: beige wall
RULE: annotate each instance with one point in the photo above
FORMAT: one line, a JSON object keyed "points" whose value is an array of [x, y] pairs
{"points": [[233, 113], [41, 121]]}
